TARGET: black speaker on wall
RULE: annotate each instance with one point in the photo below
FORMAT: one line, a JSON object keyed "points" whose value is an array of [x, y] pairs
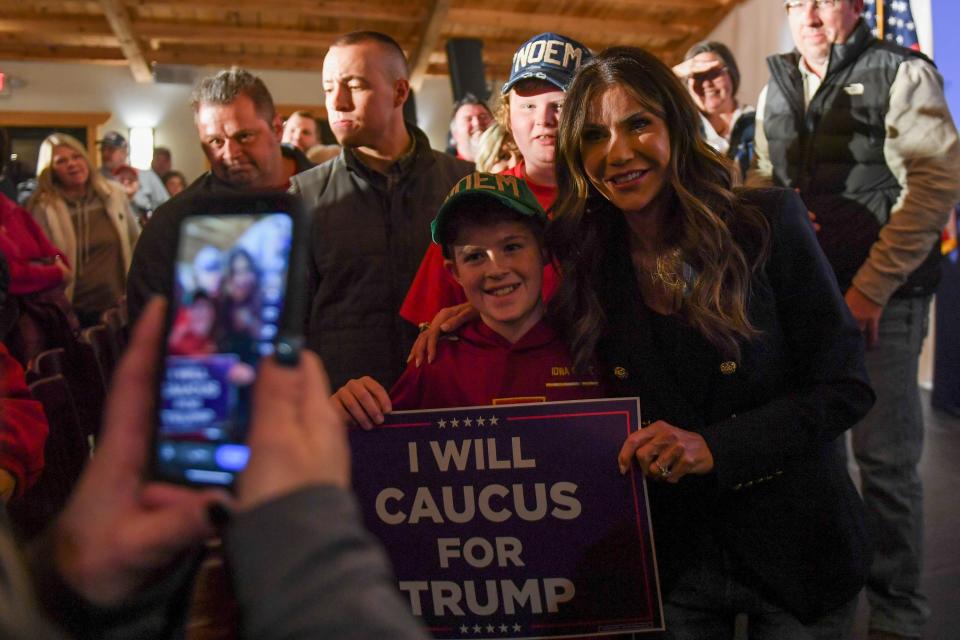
{"points": [[467, 74]]}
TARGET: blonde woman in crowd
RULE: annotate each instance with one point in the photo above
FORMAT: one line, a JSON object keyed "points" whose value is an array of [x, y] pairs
{"points": [[496, 150], [89, 218]]}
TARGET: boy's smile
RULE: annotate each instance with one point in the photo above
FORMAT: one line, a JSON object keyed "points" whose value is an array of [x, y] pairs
{"points": [[500, 268]]}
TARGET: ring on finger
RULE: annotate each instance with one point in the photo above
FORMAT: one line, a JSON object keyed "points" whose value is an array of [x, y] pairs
{"points": [[664, 471]]}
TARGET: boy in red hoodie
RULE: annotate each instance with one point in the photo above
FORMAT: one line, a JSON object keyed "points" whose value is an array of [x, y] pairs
{"points": [[490, 229]]}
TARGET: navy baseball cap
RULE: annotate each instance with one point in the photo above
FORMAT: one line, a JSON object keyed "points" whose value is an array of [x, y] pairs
{"points": [[550, 57], [113, 139]]}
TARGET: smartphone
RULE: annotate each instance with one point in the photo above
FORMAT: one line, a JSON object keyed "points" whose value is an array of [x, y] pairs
{"points": [[237, 298]]}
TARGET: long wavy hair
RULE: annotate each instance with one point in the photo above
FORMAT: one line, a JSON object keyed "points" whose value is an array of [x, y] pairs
{"points": [[712, 240], [48, 189]]}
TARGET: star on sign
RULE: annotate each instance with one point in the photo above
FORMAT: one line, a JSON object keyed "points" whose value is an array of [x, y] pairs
{"points": [[516, 628], [454, 423], [503, 628], [476, 628], [464, 629], [494, 420], [467, 422], [490, 628], [481, 422], [442, 423]]}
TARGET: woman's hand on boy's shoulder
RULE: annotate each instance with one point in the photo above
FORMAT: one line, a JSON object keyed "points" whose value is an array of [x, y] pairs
{"points": [[363, 401], [447, 320]]}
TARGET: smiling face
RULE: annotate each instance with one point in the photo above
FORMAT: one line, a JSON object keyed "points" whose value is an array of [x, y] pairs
{"points": [[626, 151], [469, 123], [300, 131], [242, 147], [712, 91], [364, 92], [815, 30], [70, 169], [500, 268], [534, 117]]}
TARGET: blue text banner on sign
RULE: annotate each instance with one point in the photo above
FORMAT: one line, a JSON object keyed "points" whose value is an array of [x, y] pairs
{"points": [[513, 521]]}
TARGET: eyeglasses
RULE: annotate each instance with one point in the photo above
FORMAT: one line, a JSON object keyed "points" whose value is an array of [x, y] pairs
{"points": [[819, 5]]}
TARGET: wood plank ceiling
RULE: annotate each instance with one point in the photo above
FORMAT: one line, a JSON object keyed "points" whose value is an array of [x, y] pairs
{"points": [[295, 34]]}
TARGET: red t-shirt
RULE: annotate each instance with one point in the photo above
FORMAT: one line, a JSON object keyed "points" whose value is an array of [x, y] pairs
{"points": [[480, 367], [433, 287]]}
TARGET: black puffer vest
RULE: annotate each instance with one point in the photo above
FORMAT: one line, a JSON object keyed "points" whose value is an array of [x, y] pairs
{"points": [[832, 151]]}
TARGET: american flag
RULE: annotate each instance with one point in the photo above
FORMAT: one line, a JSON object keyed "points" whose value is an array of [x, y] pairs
{"points": [[892, 20]]}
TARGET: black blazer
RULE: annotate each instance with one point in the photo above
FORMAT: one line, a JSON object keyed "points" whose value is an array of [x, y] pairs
{"points": [[779, 501]]}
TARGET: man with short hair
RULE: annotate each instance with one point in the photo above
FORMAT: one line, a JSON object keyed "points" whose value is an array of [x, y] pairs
{"points": [[239, 132], [113, 155], [162, 163], [471, 117], [372, 207], [860, 127], [300, 130]]}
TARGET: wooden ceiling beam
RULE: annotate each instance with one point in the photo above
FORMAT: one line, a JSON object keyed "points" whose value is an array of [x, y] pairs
{"points": [[60, 25], [82, 32], [577, 26], [225, 34], [64, 54], [202, 58], [427, 42], [65, 39], [119, 19], [337, 9]]}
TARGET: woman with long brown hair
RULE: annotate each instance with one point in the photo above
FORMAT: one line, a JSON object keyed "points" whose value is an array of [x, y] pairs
{"points": [[716, 308]]}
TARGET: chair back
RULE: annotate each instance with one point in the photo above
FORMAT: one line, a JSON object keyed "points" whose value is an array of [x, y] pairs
{"points": [[98, 337], [48, 363], [65, 454]]}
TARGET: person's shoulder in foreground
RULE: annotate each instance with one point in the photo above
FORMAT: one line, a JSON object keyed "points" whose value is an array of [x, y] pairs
{"points": [[112, 566]]}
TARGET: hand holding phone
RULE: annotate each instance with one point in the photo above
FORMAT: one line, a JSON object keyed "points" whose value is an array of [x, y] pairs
{"points": [[297, 440]]}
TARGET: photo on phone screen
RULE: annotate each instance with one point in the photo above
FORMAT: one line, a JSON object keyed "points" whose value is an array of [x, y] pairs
{"points": [[226, 312]]}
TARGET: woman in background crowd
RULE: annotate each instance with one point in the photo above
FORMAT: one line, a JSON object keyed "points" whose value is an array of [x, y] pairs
{"points": [[496, 151], [89, 218], [712, 76], [719, 311]]}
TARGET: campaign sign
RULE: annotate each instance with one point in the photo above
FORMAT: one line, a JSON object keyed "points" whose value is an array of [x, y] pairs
{"points": [[196, 394], [513, 521]]}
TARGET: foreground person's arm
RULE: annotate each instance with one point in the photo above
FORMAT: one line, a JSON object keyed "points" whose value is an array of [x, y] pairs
{"points": [[303, 565], [118, 561]]}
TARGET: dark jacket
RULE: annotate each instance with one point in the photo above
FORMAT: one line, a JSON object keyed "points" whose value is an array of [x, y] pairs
{"points": [[151, 272], [779, 501], [833, 150], [367, 240]]}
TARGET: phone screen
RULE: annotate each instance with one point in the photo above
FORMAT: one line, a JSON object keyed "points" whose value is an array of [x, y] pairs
{"points": [[230, 286]]}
